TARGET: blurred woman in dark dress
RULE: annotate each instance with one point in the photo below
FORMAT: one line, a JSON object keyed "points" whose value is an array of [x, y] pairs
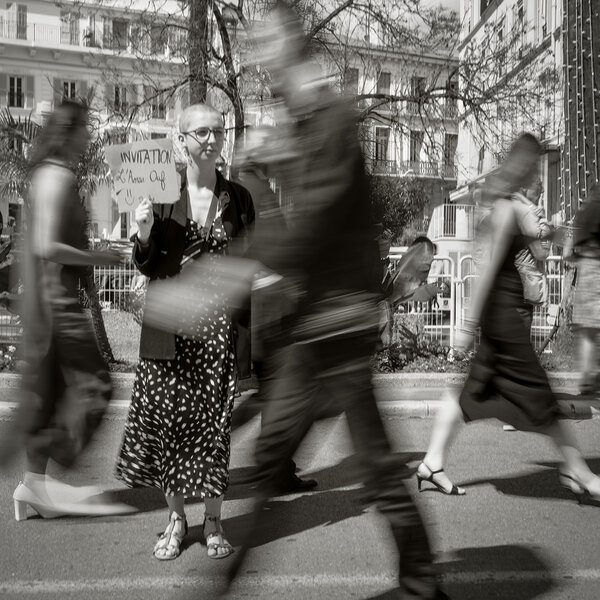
{"points": [[66, 384], [506, 380]]}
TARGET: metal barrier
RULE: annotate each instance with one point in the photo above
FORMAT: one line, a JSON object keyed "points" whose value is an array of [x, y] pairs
{"points": [[439, 312], [114, 284], [541, 325]]}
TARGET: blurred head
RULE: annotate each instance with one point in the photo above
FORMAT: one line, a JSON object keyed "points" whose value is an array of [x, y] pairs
{"points": [[65, 136], [202, 133], [521, 166], [284, 51], [264, 148]]}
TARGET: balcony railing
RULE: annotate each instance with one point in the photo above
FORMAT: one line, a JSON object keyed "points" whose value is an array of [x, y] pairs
{"points": [[421, 168], [384, 167], [452, 221], [413, 167], [54, 35]]}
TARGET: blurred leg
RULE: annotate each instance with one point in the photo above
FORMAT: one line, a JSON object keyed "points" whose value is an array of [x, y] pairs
{"points": [[385, 473]]}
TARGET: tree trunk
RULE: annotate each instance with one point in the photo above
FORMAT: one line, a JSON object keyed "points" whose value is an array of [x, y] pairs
{"points": [[91, 292], [198, 50]]}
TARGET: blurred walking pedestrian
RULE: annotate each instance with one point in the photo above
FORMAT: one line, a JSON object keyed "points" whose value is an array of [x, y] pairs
{"points": [[506, 380], [531, 260], [65, 383], [586, 304], [256, 162], [331, 248], [177, 435]]}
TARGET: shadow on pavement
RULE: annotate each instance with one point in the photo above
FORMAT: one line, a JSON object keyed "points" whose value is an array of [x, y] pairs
{"points": [[504, 572], [542, 484]]}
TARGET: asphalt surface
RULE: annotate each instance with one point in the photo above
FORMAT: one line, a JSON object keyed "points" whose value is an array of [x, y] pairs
{"points": [[516, 534]]}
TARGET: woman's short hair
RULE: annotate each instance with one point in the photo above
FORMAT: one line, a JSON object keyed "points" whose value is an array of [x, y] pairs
{"points": [[54, 140]]}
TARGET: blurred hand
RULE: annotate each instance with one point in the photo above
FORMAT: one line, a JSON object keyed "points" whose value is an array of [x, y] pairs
{"points": [[464, 340], [107, 258], [144, 217]]}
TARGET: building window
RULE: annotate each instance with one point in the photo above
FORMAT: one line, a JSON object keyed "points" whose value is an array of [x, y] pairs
{"points": [[450, 145], [384, 82], [16, 17], [69, 27], [156, 102], [416, 143], [483, 6], [16, 97], [119, 34], [382, 143], [124, 227], [480, 160], [501, 52], [351, 80], [120, 104], [158, 39], [69, 89], [418, 85], [451, 99]]}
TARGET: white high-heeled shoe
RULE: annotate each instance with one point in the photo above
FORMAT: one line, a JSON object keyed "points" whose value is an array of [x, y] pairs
{"points": [[49, 509]]}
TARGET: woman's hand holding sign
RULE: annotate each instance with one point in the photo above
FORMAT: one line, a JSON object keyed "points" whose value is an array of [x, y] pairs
{"points": [[144, 217]]}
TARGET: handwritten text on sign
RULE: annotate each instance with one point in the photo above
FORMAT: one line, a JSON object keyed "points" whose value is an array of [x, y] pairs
{"points": [[143, 170]]}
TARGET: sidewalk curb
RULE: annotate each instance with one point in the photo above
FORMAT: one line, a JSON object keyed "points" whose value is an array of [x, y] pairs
{"points": [[416, 409], [434, 382], [409, 380]]}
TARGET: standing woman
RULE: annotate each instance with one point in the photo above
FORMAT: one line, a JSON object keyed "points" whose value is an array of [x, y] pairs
{"points": [[586, 308], [177, 436], [506, 380], [66, 385]]}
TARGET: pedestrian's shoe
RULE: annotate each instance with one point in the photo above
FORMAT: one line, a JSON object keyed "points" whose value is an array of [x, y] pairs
{"points": [[583, 494], [24, 497], [424, 473], [168, 545], [62, 500], [296, 485]]}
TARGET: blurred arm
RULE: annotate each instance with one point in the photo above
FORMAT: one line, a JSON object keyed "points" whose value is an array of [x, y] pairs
{"points": [[503, 226], [49, 212]]}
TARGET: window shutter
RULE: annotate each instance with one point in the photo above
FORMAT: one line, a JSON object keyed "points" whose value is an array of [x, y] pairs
{"points": [[110, 97], [3, 89], [57, 86], [82, 91], [29, 92]]}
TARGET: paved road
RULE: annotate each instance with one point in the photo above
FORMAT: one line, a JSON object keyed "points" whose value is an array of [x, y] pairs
{"points": [[516, 535]]}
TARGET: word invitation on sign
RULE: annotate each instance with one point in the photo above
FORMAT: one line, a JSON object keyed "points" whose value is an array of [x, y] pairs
{"points": [[143, 170]]}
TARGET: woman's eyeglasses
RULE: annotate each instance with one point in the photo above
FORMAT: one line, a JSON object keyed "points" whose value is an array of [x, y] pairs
{"points": [[203, 133]]}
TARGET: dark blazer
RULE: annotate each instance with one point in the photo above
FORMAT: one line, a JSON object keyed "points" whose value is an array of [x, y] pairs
{"points": [[330, 243], [161, 257]]}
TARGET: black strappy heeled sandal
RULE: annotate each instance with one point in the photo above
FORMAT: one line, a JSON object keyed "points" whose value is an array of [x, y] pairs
{"points": [[454, 491], [581, 493]]}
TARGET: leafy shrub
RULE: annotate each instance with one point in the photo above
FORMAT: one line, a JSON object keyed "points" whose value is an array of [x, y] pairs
{"points": [[8, 361], [413, 350]]}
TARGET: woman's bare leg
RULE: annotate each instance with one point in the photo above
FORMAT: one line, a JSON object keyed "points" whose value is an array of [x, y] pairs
{"points": [[445, 427], [575, 464]]}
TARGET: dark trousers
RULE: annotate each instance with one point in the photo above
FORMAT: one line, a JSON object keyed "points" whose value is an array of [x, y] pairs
{"points": [[341, 368], [65, 393]]}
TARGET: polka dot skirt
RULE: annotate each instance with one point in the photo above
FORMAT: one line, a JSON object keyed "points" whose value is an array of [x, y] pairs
{"points": [[177, 435]]}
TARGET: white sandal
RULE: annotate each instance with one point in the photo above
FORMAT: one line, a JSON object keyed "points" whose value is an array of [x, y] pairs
{"points": [[216, 540], [169, 543]]}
